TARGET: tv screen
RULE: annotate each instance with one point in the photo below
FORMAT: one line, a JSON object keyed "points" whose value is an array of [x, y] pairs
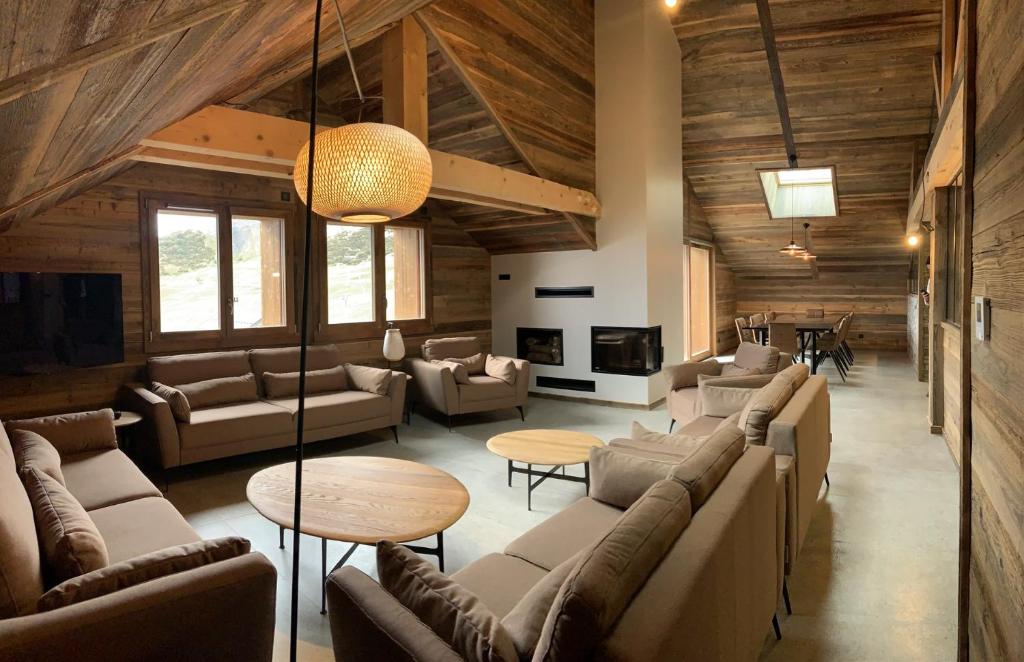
{"points": [[51, 322]]}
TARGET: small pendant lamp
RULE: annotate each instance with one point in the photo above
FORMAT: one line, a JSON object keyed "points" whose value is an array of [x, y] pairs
{"points": [[792, 249]]}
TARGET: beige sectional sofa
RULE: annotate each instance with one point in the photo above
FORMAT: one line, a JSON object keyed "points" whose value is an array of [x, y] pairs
{"points": [[753, 364], [254, 419], [221, 609], [792, 416], [708, 593], [435, 384]]}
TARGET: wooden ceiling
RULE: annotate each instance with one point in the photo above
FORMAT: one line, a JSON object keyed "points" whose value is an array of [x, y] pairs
{"points": [[82, 82], [510, 82], [858, 82]]}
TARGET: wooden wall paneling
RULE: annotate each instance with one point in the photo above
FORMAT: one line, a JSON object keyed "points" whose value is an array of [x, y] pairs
{"points": [[995, 609], [98, 231]]}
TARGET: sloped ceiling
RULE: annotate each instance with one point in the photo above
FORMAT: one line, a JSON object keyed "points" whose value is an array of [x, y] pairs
{"points": [[82, 82], [858, 79]]}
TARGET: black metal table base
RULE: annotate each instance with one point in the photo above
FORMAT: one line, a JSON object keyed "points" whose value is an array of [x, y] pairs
{"points": [[531, 485]]}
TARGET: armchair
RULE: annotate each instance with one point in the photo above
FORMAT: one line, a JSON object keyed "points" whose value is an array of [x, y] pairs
{"points": [[434, 383]]}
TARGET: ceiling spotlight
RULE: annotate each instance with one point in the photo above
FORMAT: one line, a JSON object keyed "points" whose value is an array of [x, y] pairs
{"points": [[913, 240], [671, 3]]}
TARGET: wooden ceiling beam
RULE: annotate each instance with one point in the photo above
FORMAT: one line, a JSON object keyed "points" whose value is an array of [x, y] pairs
{"points": [[459, 68], [404, 69], [945, 155], [220, 138], [764, 14], [109, 49]]}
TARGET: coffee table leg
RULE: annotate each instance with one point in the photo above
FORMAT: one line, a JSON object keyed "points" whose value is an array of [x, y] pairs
{"points": [[510, 473], [529, 487], [323, 570], [435, 551], [586, 476]]}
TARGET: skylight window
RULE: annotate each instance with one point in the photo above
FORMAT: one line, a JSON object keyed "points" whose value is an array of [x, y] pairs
{"points": [[800, 192]]}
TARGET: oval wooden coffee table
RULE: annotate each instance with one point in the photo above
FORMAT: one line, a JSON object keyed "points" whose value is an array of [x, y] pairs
{"points": [[554, 448], [361, 500]]}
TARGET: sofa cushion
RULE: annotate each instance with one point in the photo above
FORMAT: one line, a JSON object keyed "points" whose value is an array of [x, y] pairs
{"points": [[619, 478], [723, 401], [190, 368], [140, 569], [565, 533], [602, 584], [459, 370], [501, 368], [176, 400], [142, 526], [797, 375], [443, 348], [685, 375], [286, 384], [702, 426], [331, 409], [452, 612], [499, 580], [730, 421], [71, 543], [220, 391], [752, 355], [638, 432], [371, 380], [73, 433], [230, 423], [764, 406], [482, 387], [21, 574], [32, 450], [286, 359], [105, 478], [733, 370], [662, 451], [525, 621], [702, 471], [739, 381], [475, 365]]}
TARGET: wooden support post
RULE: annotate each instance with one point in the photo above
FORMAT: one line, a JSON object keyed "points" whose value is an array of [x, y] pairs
{"points": [[948, 46], [404, 65]]}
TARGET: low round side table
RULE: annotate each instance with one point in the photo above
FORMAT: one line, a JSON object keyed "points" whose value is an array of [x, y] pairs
{"points": [[124, 423], [554, 448], [361, 500]]}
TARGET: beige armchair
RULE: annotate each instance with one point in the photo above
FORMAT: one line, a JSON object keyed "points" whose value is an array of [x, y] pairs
{"points": [[753, 367], [434, 384]]}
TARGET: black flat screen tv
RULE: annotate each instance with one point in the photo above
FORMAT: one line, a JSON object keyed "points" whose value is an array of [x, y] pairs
{"points": [[51, 322]]}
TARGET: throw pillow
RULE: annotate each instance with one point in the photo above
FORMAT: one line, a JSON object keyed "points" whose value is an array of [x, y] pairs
{"points": [[286, 384], [731, 421], [459, 370], [176, 400], [71, 543], [609, 574], [733, 370], [525, 621], [32, 450], [220, 391], [763, 408], [451, 611], [475, 365], [640, 433], [701, 473], [73, 433], [140, 569], [619, 478], [721, 401], [501, 368], [371, 380]]}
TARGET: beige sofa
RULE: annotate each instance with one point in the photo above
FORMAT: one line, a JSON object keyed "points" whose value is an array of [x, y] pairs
{"points": [[682, 398], [711, 596], [794, 420], [222, 610], [260, 422], [435, 386]]}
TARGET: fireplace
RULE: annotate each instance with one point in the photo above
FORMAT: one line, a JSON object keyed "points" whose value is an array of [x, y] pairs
{"points": [[621, 350], [540, 346]]}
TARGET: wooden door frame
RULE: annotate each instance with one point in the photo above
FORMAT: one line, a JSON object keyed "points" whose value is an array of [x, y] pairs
{"points": [[712, 303]]}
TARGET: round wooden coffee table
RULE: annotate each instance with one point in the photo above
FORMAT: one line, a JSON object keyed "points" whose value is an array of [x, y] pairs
{"points": [[554, 448], [361, 500]]}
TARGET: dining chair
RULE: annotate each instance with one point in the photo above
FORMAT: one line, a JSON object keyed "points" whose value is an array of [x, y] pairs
{"points": [[783, 336], [770, 315], [815, 313], [743, 330], [830, 347], [757, 319], [845, 345]]}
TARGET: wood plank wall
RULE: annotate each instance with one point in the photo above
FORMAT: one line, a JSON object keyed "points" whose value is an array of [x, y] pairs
{"points": [[696, 226], [877, 297], [950, 339], [996, 624], [99, 231]]}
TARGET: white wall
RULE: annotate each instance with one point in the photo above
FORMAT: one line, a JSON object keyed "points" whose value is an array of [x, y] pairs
{"points": [[637, 271]]}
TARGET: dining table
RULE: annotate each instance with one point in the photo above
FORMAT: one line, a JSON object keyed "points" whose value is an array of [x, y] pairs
{"points": [[809, 330]]}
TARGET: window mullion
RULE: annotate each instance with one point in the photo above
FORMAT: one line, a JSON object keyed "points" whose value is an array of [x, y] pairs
{"points": [[224, 262]]}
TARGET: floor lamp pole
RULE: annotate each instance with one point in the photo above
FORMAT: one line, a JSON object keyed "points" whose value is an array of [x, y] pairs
{"points": [[304, 340]]}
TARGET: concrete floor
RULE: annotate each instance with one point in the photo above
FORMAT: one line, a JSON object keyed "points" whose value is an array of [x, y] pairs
{"points": [[876, 579]]}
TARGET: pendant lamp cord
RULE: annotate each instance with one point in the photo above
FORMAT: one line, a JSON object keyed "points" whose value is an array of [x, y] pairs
{"points": [[348, 51], [304, 338]]}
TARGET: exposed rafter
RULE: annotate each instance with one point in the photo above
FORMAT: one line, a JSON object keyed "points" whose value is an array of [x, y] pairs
{"points": [[764, 14]]}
